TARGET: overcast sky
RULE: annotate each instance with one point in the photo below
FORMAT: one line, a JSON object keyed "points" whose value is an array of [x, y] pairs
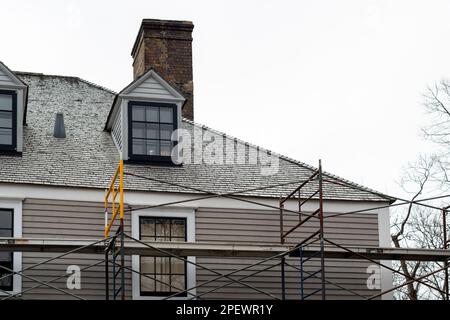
{"points": [[336, 80]]}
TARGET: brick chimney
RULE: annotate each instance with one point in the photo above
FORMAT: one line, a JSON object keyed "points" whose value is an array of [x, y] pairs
{"points": [[166, 46]]}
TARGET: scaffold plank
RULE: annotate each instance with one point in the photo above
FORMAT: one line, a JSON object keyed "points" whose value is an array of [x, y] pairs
{"points": [[209, 249]]}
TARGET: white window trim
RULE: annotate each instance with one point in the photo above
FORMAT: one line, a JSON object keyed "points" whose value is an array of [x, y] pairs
{"points": [[16, 205], [170, 212]]}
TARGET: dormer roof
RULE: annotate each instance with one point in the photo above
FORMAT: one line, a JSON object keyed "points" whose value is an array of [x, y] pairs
{"points": [[9, 79], [149, 86]]}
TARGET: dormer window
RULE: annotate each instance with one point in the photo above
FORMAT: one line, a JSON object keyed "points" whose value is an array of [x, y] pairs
{"points": [[142, 119], [13, 106], [8, 122], [150, 130]]}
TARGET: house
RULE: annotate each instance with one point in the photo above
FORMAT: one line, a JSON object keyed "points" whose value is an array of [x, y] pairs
{"points": [[53, 185]]}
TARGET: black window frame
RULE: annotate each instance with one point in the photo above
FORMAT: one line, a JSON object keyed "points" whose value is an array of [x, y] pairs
{"points": [[162, 293], [13, 146], [9, 288], [156, 159]]}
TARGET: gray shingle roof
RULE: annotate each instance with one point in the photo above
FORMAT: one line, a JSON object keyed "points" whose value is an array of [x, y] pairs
{"points": [[87, 157]]}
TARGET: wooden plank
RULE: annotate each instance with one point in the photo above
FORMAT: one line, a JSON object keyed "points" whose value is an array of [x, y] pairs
{"points": [[220, 249]]}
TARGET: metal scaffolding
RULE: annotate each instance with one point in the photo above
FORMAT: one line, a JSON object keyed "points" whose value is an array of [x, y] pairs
{"points": [[314, 237], [315, 246]]}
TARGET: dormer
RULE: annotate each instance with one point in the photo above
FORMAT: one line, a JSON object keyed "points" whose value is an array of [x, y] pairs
{"points": [[13, 99], [149, 109], [143, 117]]}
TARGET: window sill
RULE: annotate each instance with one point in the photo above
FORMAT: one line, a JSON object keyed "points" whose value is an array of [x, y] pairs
{"points": [[154, 160], [10, 153]]}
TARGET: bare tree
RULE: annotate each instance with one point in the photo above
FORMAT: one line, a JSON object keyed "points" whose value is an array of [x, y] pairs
{"points": [[422, 230], [437, 105], [416, 226]]}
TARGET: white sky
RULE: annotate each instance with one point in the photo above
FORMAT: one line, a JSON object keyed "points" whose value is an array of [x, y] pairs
{"points": [[337, 80]]}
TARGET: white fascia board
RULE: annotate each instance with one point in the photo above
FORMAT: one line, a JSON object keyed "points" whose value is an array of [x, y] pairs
{"points": [[136, 198]]}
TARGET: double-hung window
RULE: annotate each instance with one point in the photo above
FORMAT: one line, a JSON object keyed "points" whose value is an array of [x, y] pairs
{"points": [[6, 258], [162, 276], [8, 106], [150, 130]]}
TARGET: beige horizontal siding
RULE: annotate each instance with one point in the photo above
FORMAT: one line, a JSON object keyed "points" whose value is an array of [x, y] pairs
{"points": [[151, 88], [263, 226], [66, 219], [5, 80], [84, 220]]}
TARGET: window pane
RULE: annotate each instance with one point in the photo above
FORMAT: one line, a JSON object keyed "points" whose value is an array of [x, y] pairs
{"points": [[148, 228], [166, 114], [139, 146], [138, 130], [5, 102], [138, 113], [5, 119], [147, 264], [5, 233], [163, 284], [166, 148], [5, 136], [152, 131], [162, 228], [177, 266], [152, 114], [162, 265], [169, 272], [6, 283], [147, 284], [178, 229], [5, 219], [178, 283], [152, 148], [5, 256], [166, 131]]}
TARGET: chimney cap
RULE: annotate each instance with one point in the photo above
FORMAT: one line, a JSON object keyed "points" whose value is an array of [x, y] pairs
{"points": [[160, 25]]}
